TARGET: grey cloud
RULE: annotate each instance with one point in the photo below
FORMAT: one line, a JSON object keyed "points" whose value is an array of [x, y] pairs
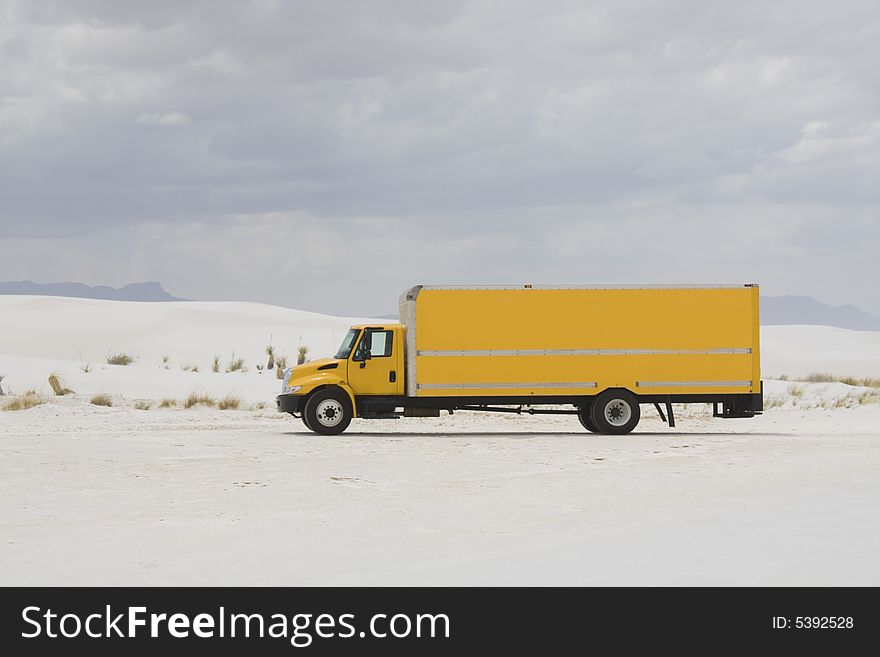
{"points": [[475, 139]]}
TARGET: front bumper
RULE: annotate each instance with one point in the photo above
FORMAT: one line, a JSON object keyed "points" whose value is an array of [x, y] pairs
{"points": [[289, 403]]}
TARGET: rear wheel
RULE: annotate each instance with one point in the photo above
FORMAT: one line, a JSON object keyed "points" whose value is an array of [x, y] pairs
{"points": [[306, 421], [328, 412], [587, 421], [615, 412]]}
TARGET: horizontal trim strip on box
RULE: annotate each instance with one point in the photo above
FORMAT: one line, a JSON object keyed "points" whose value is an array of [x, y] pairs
{"points": [[693, 384], [581, 352], [542, 384], [708, 286]]}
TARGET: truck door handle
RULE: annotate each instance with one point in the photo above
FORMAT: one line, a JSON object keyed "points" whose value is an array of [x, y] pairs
{"points": [[392, 376]]}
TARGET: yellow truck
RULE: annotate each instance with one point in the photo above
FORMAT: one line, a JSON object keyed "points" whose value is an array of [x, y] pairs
{"points": [[596, 352]]}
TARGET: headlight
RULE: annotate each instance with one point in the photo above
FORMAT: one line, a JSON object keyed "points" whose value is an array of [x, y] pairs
{"points": [[286, 377]]}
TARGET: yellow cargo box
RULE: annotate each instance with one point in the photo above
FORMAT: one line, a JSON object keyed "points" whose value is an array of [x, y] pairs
{"points": [[536, 340]]}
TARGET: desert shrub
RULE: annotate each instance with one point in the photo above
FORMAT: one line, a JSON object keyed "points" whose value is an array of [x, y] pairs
{"points": [[190, 368], [819, 377], [302, 354], [270, 352], [236, 364], [196, 398], [23, 402], [102, 400], [280, 365], [167, 403], [142, 405], [215, 364], [259, 406], [85, 367], [796, 391], [165, 359], [1, 385], [229, 402], [119, 359], [783, 377]]}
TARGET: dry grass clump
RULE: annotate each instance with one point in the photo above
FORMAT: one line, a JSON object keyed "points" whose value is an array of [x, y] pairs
{"points": [[229, 402], [143, 405], [215, 364], [102, 400], [796, 391], [190, 368], [196, 398], [57, 385], [119, 359], [23, 402], [827, 377], [167, 403], [773, 401], [867, 382]]}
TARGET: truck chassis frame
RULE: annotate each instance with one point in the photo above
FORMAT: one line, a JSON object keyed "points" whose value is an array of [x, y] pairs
{"points": [[723, 405]]}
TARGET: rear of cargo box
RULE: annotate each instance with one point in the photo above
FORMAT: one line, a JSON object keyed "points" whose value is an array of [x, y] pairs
{"points": [[573, 341]]}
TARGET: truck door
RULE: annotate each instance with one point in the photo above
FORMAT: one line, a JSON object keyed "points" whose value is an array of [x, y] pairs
{"points": [[376, 366]]}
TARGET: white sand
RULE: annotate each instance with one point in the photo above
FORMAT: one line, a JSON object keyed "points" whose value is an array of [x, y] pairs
{"points": [[95, 495]]}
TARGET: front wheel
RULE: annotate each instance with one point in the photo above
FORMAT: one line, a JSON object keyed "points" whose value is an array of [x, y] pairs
{"points": [[328, 412], [306, 421], [615, 412]]}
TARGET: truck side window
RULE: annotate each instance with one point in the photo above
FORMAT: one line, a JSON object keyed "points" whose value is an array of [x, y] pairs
{"points": [[381, 345]]}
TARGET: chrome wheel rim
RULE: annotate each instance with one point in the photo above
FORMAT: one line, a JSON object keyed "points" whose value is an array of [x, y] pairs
{"points": [[329, 413], [618, 412]]}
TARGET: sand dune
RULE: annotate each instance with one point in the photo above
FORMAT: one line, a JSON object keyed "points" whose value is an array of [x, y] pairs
{"points": [[40, 335]]}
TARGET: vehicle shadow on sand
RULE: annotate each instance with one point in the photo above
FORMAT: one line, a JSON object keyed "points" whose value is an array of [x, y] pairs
{"points": [[518, 434]]}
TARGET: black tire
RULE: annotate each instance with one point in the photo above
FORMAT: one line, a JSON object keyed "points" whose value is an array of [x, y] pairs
{"points": [[327, 412], [615, 411], [305, 420], [587, 421]]}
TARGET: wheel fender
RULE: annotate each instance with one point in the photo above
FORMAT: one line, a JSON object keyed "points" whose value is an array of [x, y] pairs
{"points": [[342, 386], [350, 393]]}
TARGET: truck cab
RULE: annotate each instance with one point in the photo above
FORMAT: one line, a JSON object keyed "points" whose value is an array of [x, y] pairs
{"points": [[369, 362]]}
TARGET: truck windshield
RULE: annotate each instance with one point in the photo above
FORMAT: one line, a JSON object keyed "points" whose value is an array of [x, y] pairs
{"points": [[347, 343]]}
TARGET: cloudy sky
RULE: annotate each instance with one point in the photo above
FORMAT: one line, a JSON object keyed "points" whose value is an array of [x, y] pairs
{"points": [[327, 155]]}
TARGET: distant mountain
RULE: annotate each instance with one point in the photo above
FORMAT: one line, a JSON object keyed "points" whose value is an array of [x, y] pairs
{"points": [[806, 310], [148, 291]]}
